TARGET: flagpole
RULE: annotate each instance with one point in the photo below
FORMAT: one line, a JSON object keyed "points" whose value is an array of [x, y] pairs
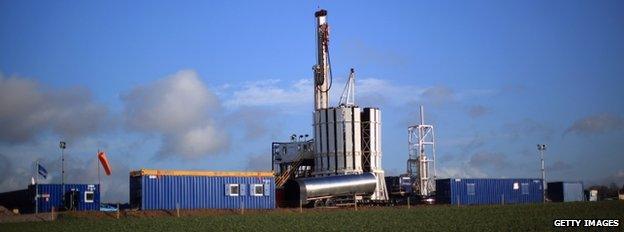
{"points": [[63, 145], [97, 162], [37, 187]]}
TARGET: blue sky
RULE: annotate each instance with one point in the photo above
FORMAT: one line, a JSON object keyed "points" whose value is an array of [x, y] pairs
{"points": [[209, 85]]}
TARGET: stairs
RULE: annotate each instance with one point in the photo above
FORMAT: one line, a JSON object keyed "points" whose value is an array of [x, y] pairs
{"points": [[292, 168]]}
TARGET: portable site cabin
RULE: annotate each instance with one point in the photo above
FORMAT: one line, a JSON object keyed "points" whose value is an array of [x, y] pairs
{"points": [[171, 189], [79, 197], [488, 191]]}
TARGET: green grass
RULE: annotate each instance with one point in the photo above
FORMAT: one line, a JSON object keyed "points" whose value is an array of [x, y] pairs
{"points": [[537, 217]]}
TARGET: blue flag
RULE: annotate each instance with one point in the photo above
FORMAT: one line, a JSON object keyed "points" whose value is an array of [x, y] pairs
{"points": [[42, 171]]}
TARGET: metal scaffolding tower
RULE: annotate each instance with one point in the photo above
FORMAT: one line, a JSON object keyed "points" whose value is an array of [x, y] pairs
{"points": [[421, 160]]}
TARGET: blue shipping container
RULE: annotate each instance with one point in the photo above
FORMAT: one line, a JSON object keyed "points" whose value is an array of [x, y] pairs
{"points": [[488, 191], [81, 197], [566, 191], [163, 189]]}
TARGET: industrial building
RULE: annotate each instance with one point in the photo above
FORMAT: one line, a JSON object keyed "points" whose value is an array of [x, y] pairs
{"points": [[78, 197], [177, 189], [566, 191], [343, 159], [489, 191], [340, 162]]}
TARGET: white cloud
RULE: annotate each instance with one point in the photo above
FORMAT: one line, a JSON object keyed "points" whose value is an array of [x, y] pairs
{"points": [[439, 94], [373, 92], [475, 93], [259, 162], [28, 110], [527, 127], [616, 177], [461, 171], [34, 116], [255, 121], [195, 142], [596, 124], [369, 92], [181, 109], [270, 93], [559, 166], [494, 160]]}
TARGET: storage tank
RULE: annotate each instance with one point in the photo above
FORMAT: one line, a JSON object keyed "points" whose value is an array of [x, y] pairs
{"points": [[306, 189], [349, 139], [321, 162], [371, 139], [338, 138]]}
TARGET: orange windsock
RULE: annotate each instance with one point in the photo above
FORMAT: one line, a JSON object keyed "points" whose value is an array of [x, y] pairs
{"points": [[102, 157]]}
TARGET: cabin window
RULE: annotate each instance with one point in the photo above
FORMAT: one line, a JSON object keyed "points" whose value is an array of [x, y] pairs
{"points": [[470, 188], [525, 188], [257, 190], [89, 196], [232, 190]]}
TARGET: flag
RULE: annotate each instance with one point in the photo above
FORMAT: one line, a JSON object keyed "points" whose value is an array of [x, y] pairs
{"points": [[42, 171], [102, 157]]}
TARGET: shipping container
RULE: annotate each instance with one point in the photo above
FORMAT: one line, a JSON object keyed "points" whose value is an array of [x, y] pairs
{"points": [[488, 191], [80, 197], [398, 185], [170, 189], [20, 200], [593, 195], [565, 191]]}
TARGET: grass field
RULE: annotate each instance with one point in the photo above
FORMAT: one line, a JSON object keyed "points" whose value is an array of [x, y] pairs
{"points": [[537, 217]]}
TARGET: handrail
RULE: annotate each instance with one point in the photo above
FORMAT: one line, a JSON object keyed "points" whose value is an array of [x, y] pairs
{"points": [[281, 179]]}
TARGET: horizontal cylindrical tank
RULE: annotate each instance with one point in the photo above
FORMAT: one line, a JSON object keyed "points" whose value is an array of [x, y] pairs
{"points": [[335, 186]]}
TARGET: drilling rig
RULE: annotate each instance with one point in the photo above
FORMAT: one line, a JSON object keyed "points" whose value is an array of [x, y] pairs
{"points": [[343, 159]]}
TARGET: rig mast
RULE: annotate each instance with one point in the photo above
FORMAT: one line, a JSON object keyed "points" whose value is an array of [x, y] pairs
{"points": [[322, 69]]}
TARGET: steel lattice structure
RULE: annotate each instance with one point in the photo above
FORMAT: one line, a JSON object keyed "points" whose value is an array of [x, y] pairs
{"points": [[421, 160]]}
